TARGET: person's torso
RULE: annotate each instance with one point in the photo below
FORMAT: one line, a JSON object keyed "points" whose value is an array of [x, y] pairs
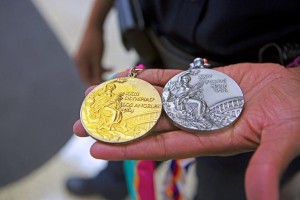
{"points": [[227, 31]]}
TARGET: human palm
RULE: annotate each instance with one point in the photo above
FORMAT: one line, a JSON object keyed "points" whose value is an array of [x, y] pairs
{"points": [[269, 124]]}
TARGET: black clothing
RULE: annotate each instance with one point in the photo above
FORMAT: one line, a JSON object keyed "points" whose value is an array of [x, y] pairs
{"points": [[229, 31]]}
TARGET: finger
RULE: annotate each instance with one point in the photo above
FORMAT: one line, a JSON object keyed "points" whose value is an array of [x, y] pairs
{"points": [[157, 77], [175, 144], [84, 70], [85, 74], [96, 72], [154, 147], [269, 162], [107, 69], [79, 130], [261, 178]]}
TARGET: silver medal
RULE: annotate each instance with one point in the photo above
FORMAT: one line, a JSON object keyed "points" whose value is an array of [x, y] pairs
{"points": [[199, 99]]}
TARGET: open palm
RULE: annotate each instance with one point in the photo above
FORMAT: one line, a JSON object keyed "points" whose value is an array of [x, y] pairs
{"points": [[269, 124]]}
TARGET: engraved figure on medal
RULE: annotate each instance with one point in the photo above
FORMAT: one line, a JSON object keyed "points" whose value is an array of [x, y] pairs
{"points": [[121, 110], [200, 99]]}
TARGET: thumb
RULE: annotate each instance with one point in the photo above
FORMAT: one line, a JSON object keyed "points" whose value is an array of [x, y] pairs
{"points": [[276, 151], [262, 175]]}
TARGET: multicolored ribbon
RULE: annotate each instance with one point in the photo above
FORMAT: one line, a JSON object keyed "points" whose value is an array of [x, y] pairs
{"points": [[140, 179], [174, 185]]}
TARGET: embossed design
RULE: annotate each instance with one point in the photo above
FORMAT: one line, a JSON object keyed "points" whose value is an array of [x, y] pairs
{"points": [[121, 110], [202, 99], [187, 100], [225, 112]]}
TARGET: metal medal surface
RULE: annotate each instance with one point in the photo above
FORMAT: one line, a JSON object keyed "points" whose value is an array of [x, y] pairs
{"points": [[121, 110], [199, 100]]}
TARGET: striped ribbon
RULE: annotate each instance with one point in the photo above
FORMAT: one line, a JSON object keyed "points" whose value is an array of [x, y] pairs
{"points": [[174, 184], [140, 179]]}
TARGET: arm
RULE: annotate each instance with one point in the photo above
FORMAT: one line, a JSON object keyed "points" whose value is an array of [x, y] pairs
{"points": [[89, 56], [99, 12]]}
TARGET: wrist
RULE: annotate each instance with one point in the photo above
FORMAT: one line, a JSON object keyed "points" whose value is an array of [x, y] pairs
{"points": [[94, 28]]}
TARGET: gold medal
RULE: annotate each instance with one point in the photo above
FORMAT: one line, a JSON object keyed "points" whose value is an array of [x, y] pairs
{"points": [[121, 110]]}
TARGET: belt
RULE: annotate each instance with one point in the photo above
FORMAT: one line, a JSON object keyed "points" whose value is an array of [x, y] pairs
{"points": [[172, 57]]}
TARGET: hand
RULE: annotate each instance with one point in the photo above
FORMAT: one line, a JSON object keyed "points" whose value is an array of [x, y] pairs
{"points": [[89, 57], [269, 124]]}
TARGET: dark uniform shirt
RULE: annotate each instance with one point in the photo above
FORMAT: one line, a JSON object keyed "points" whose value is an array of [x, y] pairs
{"points": [[228, 31]]}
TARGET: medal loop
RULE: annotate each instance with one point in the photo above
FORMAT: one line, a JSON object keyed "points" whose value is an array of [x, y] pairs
{"points": [[199, 63], [134, 71]]}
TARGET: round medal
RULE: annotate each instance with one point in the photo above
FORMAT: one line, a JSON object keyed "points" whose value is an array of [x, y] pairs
{"points": [[199, 99], [121, 110]]}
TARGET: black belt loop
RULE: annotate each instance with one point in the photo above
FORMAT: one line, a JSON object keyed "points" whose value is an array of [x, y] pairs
{"points": [[281, 53]]}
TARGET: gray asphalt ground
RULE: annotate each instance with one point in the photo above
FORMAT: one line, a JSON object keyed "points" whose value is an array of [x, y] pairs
{"points": [[40, 92]]}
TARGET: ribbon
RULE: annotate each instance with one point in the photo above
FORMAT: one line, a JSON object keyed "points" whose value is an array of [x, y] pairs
{"points": [[140, 179], [174, 184]]}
